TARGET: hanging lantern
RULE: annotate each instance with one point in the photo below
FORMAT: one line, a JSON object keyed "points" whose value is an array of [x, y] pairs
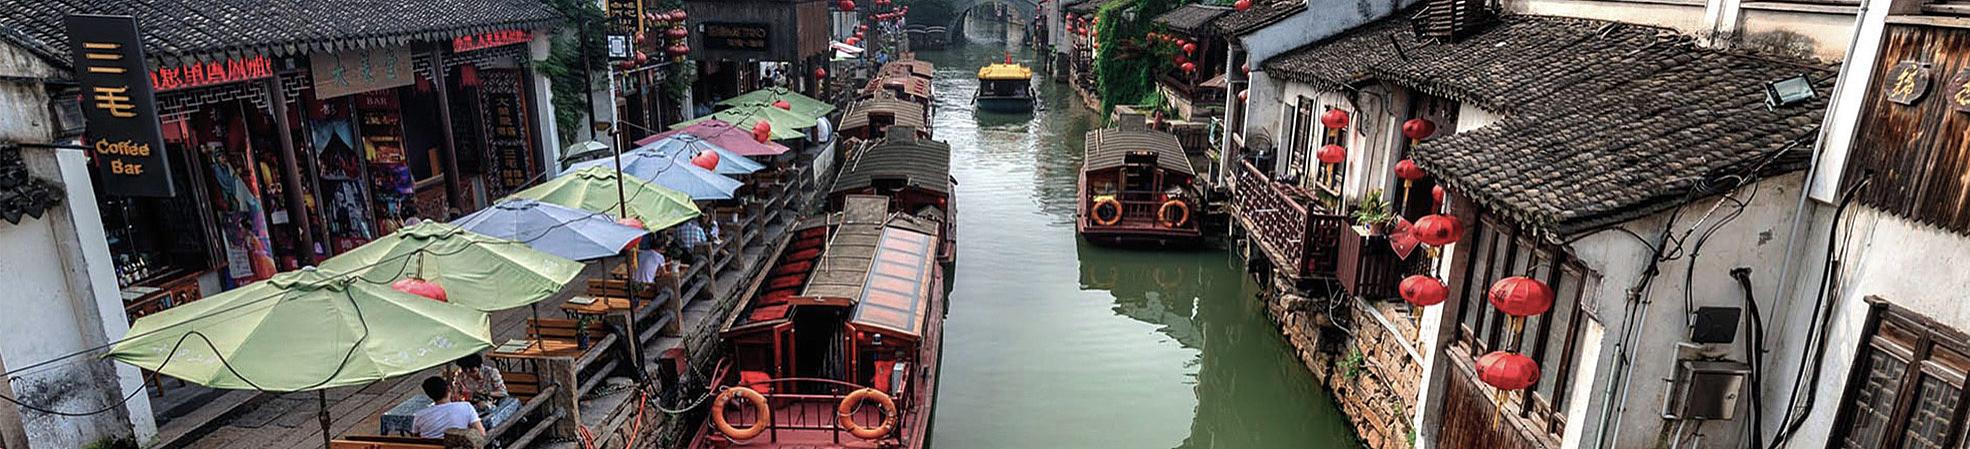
{"points": [[468, 76], [1245, 69], [1334, 119], [420, 287], [1438, 229], [641, 57], [626, 64], [679, 50], [706, 159], [678, 32], [853, 41], [1242, 5], [783, 105], [847, 5], [1070, 17], [631, 222], [1181, 60], [1418, 129], [762, 131], [661, 17], [1408, 171], [861, 28], [1436, 193], [679, 15], [858, 35], [1422, 290], [1188, 67], [1242, 95], [1507, 370], [1333, 154], [820, 73], [1189, 48], [1521, 296]]}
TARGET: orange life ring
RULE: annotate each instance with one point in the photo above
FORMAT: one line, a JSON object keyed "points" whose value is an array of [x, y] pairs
{"points": [[846, 413], [758, 402], [1183, 213], [1112, 204]]}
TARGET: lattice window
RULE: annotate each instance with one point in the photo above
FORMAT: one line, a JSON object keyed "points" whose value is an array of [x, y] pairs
{"points": [[1907, 387]]}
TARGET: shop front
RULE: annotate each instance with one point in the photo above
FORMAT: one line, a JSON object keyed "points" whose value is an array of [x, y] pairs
{"points": [[752, 44]]}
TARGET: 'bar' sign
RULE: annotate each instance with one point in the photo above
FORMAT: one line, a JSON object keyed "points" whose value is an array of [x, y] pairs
{"points": [[121, 107]]}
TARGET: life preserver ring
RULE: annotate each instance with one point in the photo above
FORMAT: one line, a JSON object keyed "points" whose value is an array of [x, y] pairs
{"points": [[1112, 205], [1183, 214], [845, 413], [758, 402]]}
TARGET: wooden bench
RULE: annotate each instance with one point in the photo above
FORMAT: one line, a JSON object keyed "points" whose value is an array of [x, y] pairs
{"points": [[521, 385], [563, 329], [618, 288]]}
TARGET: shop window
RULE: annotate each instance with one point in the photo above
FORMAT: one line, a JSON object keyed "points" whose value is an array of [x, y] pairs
{"points": [[1551, 338], [1299, 133], [1906, 386]]}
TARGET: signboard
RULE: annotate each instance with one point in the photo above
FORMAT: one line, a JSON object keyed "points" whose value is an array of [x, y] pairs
{"points": [[735, 36], [492, 39], [1908, 82], [506, 131], [199, 74], [1959, 87], [121, 108], [357, 71], [619, 47], [625, 17]]}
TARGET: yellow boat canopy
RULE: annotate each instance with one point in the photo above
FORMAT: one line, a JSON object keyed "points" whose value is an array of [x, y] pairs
{"points": [[1005, 72]]}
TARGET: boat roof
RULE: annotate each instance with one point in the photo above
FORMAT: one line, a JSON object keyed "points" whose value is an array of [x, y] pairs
{"points": [[885, 262], [914, 86], [1005, 72], [910, 65], [1111, 147], [907, 113], [921, 163]]}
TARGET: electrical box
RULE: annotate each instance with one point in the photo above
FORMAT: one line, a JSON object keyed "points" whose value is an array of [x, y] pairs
{"points": [[1715, 325], [1706, 390]]}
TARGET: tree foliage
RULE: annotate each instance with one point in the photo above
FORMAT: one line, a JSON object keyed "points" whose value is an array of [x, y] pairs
{"points": [[1125, 67]]}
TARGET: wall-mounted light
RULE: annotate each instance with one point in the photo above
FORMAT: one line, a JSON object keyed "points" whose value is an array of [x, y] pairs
{"points": [[1788, 92]]}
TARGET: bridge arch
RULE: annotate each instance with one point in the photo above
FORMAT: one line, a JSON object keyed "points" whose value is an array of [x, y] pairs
{"points": [[963, 8]]}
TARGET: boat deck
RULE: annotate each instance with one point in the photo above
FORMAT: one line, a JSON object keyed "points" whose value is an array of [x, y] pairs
{"points": [[799, 421]]}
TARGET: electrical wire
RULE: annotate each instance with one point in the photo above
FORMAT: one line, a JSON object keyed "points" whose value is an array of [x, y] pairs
{"points": [[1817, 329]]}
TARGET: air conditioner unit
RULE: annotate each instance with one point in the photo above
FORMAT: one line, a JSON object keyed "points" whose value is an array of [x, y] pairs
{"points": [[1705, 390]]}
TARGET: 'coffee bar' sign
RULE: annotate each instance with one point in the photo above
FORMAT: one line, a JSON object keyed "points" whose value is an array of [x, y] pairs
{"points": [[120, 105]]}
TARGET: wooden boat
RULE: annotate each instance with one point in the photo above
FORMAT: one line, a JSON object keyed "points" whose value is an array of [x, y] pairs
{"points": [[914, 172], [837, 343], [870, 117], [908, 79], [1005, 87], [1137, 186]]}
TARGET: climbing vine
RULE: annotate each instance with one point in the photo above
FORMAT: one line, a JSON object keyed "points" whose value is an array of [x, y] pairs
{"points": [[1126, 65], [564, 66]]}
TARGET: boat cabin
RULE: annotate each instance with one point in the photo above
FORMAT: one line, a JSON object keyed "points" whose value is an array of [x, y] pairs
{"points": [[909, 88], [853, 302], [1137, 186], [1006, 87], [913, 172], [871, 117]]}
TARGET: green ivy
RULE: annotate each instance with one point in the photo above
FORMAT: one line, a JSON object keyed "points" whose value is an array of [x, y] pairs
{"points": [[564, 65], [1125, 69]]}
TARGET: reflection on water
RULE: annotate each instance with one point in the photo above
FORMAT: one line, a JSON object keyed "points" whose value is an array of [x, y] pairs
{"points": [[1055, 343]]}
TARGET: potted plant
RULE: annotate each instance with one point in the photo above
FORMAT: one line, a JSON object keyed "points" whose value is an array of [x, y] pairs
{"points": [[1373, 212]]}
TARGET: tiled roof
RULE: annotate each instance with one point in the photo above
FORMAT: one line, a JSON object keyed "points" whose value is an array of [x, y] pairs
{"points": [[21, 194], [921, 163], [1193, 19], [1262, 13], [176, 30], [1603, 122]]}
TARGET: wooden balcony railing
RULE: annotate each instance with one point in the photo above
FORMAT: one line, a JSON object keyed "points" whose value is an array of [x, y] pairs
{"points": [[1297, 235], [1368, 267]]}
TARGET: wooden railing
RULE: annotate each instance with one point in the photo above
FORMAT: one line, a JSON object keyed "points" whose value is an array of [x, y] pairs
{"points": [[1368, 266], [1299, 237]]}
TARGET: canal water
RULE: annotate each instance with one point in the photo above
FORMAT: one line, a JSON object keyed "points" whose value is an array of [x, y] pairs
{"points": [[1053, 343]]}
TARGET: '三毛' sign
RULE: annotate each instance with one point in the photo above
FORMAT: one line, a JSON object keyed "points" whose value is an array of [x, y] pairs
{"points": [[120, 105]]}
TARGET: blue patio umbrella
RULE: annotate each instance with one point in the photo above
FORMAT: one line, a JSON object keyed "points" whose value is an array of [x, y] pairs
{"points": [[664, 169], [682, 147], [551, 228]]}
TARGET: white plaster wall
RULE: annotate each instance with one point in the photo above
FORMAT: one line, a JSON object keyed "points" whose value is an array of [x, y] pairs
{"points": [[1824, 32], [1685, 16], [1262, 106], [24, 115]]}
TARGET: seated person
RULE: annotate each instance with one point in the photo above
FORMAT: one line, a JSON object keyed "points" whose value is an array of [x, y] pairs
{"points": [[474, 382], [445, 414]]}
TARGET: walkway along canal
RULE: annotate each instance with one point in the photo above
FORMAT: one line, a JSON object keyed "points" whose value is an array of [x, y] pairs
{"points": [[1051, 342]]}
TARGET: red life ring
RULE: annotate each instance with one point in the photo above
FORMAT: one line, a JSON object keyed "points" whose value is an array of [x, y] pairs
{"points": [[757, 400]]}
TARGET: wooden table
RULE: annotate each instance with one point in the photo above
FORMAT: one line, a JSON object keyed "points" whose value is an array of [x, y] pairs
{"points": [[544, 349], [601, 306]]}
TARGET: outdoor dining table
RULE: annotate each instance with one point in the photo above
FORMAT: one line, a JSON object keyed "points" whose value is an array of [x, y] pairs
{"points": [[401, 418], [594, 306]]}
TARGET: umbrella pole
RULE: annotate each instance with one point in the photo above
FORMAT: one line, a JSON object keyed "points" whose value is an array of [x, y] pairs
{"points": [[321, 397], [622, 200]]}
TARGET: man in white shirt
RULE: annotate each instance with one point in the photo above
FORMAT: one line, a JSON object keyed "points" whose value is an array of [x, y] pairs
{"points": [[445, 414]]}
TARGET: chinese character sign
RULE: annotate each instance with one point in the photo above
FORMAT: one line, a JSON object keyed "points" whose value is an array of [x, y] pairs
{"points": [[357, 71], [121, 108], [198, 74], [736, 36]]}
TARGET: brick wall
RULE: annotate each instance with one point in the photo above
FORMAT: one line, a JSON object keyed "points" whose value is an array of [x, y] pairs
{"points": [[1371, 374]]}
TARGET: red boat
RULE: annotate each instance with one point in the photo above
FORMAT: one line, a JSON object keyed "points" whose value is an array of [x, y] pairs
{"points": [[914, 172], [1137, 187], [836, 345]]}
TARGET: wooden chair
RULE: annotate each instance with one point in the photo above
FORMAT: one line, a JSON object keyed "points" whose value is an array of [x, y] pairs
{"points": [[617, 288], [521, 385], [563, 329]]}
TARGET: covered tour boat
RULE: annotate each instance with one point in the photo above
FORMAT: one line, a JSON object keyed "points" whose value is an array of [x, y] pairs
{"points": [[1137, 187], [1005, 87], [914, 172], [871, 117], [836, 345]]}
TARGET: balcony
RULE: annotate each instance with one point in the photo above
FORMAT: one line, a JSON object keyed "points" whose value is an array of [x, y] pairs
{"points": [[1368, 267], [1296, 234]]}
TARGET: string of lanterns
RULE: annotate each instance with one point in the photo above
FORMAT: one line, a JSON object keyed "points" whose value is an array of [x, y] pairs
{"points": [[664, 27]]}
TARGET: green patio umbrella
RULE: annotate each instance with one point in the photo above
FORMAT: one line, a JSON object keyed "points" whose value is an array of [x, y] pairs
{"points": [[800, 104], [595, 189], [786, 124], [300, 331], [477, 271]]}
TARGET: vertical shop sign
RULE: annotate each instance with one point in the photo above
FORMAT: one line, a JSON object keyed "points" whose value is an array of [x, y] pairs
{"points": [[625, 23], [120, 105], [356, 71], [507, 132]]}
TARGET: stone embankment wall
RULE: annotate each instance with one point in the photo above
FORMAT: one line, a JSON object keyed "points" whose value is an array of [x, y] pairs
{"points": [[1361, 352]]}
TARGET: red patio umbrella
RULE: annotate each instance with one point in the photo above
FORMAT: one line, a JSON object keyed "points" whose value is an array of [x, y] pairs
{"points": [[724, 135]]}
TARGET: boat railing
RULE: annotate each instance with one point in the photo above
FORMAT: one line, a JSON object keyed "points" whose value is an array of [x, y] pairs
{"points": [[813, 409]]}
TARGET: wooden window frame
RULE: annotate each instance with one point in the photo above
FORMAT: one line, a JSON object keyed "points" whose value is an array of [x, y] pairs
{"points": [[1929, 336], [1544, 408]]}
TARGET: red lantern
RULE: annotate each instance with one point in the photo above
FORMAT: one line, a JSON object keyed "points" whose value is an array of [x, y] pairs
{"points": [[678, 32], [1180, 60], [1438, 229], [706, 159], [861, 28], [468, 76], [846, 5], [1408, 171], [631, 222], [858, 35], [679, 50], [1436, 193], [1070, 17], [1242, 5], [820, 73], [661, 17], [1507, 370], [1334, 119], [1418, 129], [1242, 95], [1521, 296], [1188, 67], [679, 15], [853, 41], [1245, 68], [762, 131], [1189, 48], [420, 287], [626, 64], [1423, 291], [1333, 154], [641, 57], [783, 105], [1180, 42]]}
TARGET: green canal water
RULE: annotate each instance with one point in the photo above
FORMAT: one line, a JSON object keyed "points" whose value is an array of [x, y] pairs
{"points": [[1053, 343]]}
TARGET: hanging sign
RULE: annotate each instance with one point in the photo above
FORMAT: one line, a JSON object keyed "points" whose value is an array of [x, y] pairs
{"points": [[357, 71], [1959, 87], [1908, 82], [199, 74], [119, 104], [626, 17], [735, 36], [487, 40]]}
